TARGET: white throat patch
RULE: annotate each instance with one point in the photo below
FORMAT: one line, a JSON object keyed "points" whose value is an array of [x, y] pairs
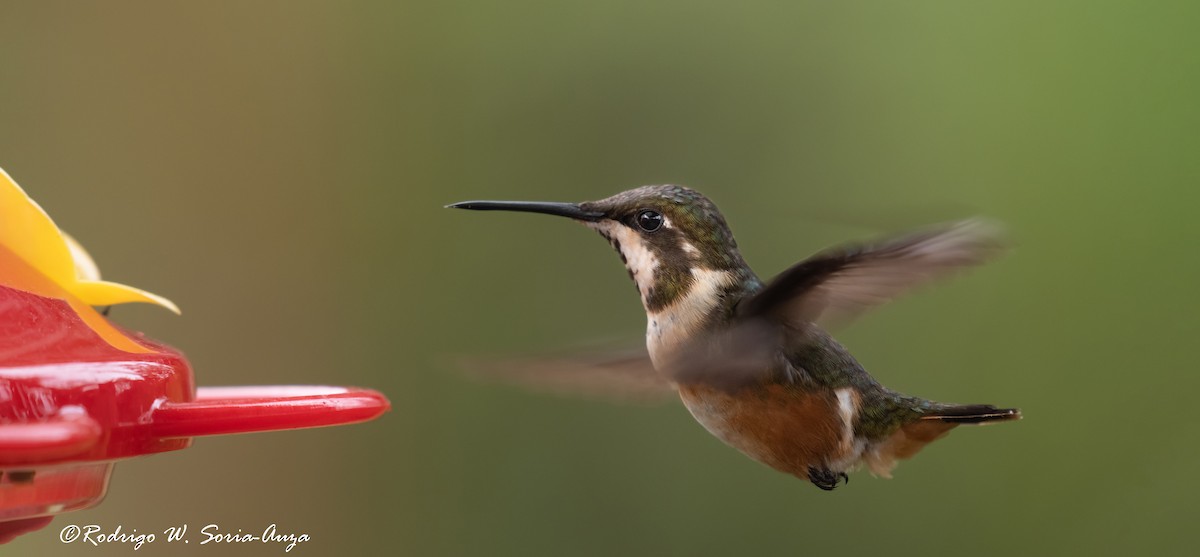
{"points": [[667, 328], [639, 259]]}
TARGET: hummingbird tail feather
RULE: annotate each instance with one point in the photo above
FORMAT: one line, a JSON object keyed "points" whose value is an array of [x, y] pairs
{"points": [[973, 414], [913, 436]]}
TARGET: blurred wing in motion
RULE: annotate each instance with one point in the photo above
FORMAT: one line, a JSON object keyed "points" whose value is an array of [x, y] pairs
{"points": [[745, 353], [836, 285], [625, 376]]}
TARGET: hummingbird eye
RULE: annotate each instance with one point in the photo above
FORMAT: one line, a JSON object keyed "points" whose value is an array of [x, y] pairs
{"points": [[649, 220]]}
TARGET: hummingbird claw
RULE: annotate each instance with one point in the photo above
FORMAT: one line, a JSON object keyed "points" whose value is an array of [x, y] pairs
{"points": [[825, 478]]}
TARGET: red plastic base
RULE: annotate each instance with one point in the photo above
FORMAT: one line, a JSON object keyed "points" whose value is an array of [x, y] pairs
{"points": [[71, 404]]}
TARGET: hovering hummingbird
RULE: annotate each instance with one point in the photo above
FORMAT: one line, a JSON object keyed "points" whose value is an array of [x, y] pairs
{"points": [[750, 360]]}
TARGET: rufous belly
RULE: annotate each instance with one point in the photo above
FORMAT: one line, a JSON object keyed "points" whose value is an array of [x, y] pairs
{"points": [[780, 426]]}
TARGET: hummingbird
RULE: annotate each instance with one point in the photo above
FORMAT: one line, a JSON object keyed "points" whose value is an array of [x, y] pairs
{"points": [[752, 360]]}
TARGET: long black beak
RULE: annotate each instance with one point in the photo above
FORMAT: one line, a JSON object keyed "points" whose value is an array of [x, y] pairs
{"points": [[569, 210]]}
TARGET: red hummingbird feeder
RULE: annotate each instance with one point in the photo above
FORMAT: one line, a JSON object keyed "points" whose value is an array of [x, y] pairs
{"points": [[78, 394]]}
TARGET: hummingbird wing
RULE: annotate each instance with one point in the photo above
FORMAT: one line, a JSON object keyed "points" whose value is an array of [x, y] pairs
{"points": [[838, 284], [614, 376]]}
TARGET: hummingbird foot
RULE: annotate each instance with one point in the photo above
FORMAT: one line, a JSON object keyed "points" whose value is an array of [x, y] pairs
{"points": [[825, 478]]}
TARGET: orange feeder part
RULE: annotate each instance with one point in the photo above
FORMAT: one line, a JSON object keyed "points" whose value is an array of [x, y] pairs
{"points": [[78, 394]]}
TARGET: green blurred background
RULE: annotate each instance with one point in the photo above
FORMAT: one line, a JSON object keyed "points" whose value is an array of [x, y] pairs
{"points": [[278, 169]]}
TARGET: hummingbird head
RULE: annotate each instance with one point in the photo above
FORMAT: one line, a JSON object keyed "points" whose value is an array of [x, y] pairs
{"points": [[673, 241]]}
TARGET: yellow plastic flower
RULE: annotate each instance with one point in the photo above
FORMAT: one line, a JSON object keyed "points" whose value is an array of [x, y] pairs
{"points": [[61, 267]]}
